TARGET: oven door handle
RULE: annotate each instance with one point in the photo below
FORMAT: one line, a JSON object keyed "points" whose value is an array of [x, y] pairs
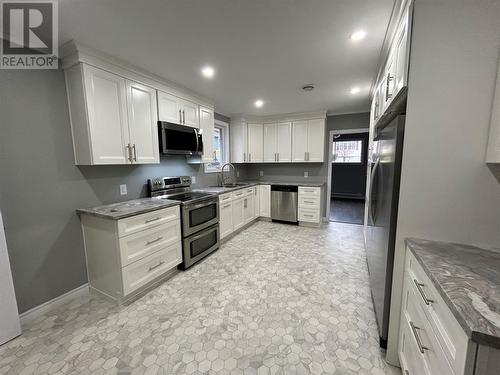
{"points": [[205, 232], [200, 205]]}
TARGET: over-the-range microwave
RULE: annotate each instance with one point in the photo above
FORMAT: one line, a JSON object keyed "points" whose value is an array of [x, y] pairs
{"points": [[177, 139]]}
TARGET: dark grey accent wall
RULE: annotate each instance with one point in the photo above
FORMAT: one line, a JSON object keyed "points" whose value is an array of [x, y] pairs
{"points": [[317, 171], [40, 187]]}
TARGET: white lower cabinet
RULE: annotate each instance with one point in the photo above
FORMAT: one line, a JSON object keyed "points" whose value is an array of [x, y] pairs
{"points": [[309, 202], [238, 213], [225, 215], [431, 340], [265, 200], [126, 256]]}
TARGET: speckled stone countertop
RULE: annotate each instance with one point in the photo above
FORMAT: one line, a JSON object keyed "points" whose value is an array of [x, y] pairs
{"points": [[222, 190], [116, 211], [468, 279]]}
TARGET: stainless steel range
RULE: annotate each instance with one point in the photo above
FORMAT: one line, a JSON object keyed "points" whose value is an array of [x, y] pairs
{"points": [[199, 214]]}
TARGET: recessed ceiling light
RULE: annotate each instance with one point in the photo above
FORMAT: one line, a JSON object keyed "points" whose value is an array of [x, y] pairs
{"points": [[355, 90], [208, 71], [259, 103], [358, 35]]}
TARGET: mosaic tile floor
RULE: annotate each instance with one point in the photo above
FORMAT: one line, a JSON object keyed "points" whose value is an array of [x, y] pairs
{"points": [[275, 299]]}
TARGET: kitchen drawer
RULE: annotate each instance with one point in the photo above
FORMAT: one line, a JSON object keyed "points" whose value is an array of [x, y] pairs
{"points": [[409, 354], [224, 198], [145, 270], [309, 191], [309, 215], [148, 220], [309, 202], [239, 193], [429, 354], [140, 244], [249, 191], [448, 331]]}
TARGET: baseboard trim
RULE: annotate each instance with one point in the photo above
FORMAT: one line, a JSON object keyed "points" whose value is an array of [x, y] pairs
{"points": [[37, 311]]}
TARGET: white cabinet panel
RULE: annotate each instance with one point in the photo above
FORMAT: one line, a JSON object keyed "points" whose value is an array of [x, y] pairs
{"points": [[265, 200], [169, 108], [316, 140], [284, 142], [142, 121], [107, 116], [493, 150], [238, 213], [238, 144], [256, 201], [207, 129], [401, 57], [249, 208], [190, 113], [270, 142], [226, 219], [255, 140], [299, 141]]}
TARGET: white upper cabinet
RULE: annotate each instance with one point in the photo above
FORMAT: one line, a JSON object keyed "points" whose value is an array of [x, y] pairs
{"points": [[113, 120], [284, 142], [107, 127], [142, 120], [178, 111], [316, 140], [190, 114], [255, 143], [169, 108], [308, 140], [401, 56], [238, 144], [207, 133], [299, 140], [270, 142], [493, 151]]}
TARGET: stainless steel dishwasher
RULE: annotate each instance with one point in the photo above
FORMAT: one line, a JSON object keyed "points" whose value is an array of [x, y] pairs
{"points": [[284, 203]]}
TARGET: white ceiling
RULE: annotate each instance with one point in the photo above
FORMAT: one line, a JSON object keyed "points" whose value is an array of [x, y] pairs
{"points": [[262, 49]]}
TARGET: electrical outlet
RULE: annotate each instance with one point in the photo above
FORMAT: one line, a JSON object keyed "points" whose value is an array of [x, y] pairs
{"points": [[306, 174], [193, 179], [261, 173], [123, 189]]}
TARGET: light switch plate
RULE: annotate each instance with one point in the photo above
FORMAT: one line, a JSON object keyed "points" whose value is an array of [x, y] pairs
{"points": [[261, 173], [123, 189], [193, 179], [306, 174]]}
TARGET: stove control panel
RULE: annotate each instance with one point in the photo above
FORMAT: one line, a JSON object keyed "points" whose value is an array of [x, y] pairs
{"points": [[162, 183]]}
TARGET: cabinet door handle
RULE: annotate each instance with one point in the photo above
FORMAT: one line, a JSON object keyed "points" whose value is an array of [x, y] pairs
{"points": [[244, 157], [415, 329], [129, 152], [135, 152], [153, 241], [249, 156], [422, 293], [180, 116], [309, 202], [388, 95], [278, 156], [183, 117], [305, 156], [151, 220], [156, 266], [227, 205]]}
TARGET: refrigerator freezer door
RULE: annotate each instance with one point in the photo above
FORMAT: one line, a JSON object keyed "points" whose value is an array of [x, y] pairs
{"points": [[382, 214]]}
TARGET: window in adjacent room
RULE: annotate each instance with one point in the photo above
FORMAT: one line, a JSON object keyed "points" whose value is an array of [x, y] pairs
{"points": [[221, 147], [349, 151]]}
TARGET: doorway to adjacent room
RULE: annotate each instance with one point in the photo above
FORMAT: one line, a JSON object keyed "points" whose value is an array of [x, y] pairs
{"points": [[347, 175]]}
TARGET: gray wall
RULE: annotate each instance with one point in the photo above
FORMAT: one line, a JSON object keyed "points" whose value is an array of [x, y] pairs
{"points": [[317, 171], [40, 187], [447, 191]]}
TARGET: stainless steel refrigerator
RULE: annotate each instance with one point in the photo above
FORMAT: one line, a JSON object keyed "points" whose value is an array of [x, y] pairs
{"points": [[382, 215]]}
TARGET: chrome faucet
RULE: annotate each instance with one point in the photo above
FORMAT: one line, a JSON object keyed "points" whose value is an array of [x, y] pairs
{"points": [[223, 180]]}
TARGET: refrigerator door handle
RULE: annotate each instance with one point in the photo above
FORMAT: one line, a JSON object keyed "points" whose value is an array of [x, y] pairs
{"points": [[372, 179]]}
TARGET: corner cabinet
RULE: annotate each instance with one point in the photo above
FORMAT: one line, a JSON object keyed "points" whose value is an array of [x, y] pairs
{"points": [[113, 120], [493, 150]]}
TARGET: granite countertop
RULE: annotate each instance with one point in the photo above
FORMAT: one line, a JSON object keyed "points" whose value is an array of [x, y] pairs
{"points": [[121, 210], [246, 184], [468, 279]]}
